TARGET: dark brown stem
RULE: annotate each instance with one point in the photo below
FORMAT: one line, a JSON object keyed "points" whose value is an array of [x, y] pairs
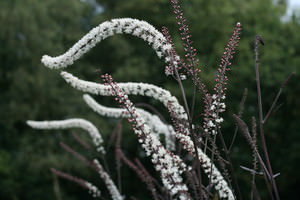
{"points": [[187, 110], [243, 127], [190, 124], [254, 148], [241, 110], [212, 157], [77, 155], [118, 146], [261, 119], [81, 141], [228, 158], [276, 98]]}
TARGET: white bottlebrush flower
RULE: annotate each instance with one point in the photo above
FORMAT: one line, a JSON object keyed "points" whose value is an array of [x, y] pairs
{"points": [[131, 26], [71, 123], [129, 88], [153, 121], [112, 189]]}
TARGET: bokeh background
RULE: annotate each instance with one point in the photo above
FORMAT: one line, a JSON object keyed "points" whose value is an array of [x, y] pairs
{"points": [[28, 90]]}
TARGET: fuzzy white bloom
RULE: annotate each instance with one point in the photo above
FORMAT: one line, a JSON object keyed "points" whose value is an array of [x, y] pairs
{"points": [[183, 77], [168, 164], [135, 27], [71, 123], [153, 121], [216, 177], [210, 124], [95, 192], [213, 120], [222, 105], [210, 169], [112, 189], [129, 88], [219, 120], [212, 107]]}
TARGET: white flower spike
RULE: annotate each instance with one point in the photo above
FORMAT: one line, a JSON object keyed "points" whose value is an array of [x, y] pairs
{"points": [[129, 88], [71, 123], [153, 121], [134, 27]]}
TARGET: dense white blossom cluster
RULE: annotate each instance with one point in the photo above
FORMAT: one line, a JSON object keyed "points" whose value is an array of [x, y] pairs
{"points": [[93, 190], [112, 189], [169, 165], [106, 29], [129, 88], [210, 169], [213, 120], [153, 121], [71, 123], [217, 179]]}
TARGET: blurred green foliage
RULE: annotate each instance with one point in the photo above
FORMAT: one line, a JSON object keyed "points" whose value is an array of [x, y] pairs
{"points": [[30, 29]]}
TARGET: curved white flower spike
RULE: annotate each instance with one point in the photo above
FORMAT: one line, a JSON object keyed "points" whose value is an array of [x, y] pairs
{"points": [[153, 121], [129, 88], [112, 189], [71, 123], [131, 26]]}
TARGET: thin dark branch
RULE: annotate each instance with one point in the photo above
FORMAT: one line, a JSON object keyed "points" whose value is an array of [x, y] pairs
{"points": [[81, 141], [113, 135], [118, 146], [240, 113], [277, 97], [258, 40], [231, 168], [244, 129], [187, 110], [77, 155], [254, 148]]}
